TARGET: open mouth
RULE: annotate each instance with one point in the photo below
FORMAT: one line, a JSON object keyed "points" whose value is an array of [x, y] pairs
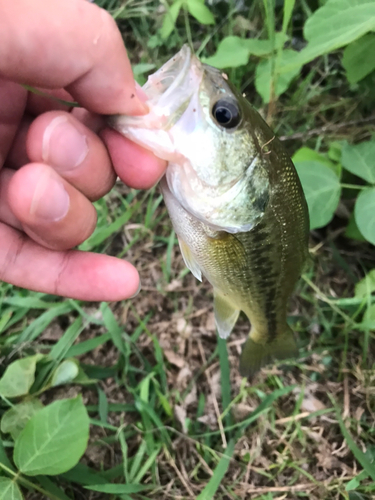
{"points": [[169, 91], [162, 85]]}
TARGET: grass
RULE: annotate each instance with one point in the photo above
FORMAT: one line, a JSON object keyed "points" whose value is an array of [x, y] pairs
{"points": [[168, 409]]}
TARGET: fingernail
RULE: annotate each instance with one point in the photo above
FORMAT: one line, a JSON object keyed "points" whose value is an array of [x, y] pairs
{"points": [[63, 146], [50, 201], [138, 290]]}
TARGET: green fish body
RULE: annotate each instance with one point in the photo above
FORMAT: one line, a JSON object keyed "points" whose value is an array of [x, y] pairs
{"points": [[234, 199]]}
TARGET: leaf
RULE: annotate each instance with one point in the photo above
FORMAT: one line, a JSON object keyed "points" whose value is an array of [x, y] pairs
{"points": [[359, 160], [66, 372], [366, 286], [263, 76], [54, 439], [4, 457], [352, 230], [356, 481], [201, 13], [9, 490], [19, 377], [334, 25], [214, 483], [369, 318], [358, 58], [170, 19], [141, 68], [15, 419], [307, 154], [364, 213], [120, 489], [359, 455], [322, 190], [234, 51], [355, 495]]}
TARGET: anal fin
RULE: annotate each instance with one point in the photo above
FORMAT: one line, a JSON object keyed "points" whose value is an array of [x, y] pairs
{"points": [[226, 315], [189, 259]]}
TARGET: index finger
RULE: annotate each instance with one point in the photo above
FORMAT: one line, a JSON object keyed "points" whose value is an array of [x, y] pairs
{"points": [[72, 44]]}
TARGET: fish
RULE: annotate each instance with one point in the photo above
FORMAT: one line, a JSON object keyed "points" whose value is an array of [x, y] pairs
{"points": [[233, 196]]}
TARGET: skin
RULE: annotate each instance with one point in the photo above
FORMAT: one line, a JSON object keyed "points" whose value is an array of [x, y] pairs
{"points": [[54, 162]]}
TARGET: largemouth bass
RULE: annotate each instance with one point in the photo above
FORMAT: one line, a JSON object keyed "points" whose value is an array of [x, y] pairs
{"points": [[233, 196]]}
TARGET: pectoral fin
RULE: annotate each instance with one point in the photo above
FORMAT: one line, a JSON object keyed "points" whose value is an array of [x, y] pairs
{"points": [[189, 260], [225, 315]]}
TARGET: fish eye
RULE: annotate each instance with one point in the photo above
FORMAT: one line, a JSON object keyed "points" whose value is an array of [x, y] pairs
{"points": [[226, 113]]}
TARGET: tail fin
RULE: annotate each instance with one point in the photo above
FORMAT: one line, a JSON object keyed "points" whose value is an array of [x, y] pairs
{"points": [[255, 355]]}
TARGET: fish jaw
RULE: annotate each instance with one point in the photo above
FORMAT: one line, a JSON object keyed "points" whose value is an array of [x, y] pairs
{"points": [[169, 91]]}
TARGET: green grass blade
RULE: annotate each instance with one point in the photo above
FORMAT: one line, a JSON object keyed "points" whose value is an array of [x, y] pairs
{"points": [[359, 455], [49, 486], [113, 328], [220, 471], [38, 326], [60, 349], [84, 475], [225, 378], [87, 345]]}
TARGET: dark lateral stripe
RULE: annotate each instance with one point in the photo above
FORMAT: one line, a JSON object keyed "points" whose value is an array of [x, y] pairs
{"points": [[270, 310]]}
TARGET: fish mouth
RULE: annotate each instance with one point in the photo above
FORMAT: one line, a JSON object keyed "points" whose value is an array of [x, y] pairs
{"points": [[166, 83], [169, 91]]}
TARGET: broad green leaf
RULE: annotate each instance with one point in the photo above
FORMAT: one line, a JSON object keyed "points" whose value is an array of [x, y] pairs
{"points": [[234, 51], [366, 286], [214, 483], [170, 19], [307, 154], [322, 190], [263, 76], [19, 377], [9, 490], [359, 160], [141, 68], [201, 13], [335, 150], [334, 25], [120, 489], [358, 58], [4, 460], [364, 212], [15, 419], [54, 439], [352, 230], [66, 372]]}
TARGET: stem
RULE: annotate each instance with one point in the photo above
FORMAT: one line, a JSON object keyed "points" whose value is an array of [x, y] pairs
{"points": [[353, 186], [71, 104], [26, 482], [187, 27]]}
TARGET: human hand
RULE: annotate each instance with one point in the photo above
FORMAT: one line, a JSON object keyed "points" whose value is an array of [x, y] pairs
{"points": [[53, 163]]}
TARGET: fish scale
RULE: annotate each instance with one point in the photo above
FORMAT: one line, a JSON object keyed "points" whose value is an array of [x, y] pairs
{"points": [[234, 199]]}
